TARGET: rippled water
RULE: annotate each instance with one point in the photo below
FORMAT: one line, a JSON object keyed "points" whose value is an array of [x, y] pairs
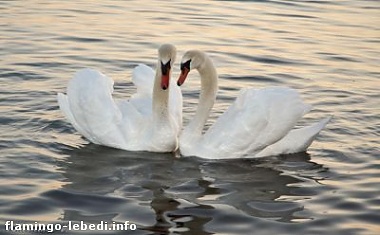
{"points": [[327, 50]]}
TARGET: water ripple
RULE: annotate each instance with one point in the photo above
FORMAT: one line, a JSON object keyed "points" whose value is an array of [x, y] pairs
{"points": [[326, 50]]}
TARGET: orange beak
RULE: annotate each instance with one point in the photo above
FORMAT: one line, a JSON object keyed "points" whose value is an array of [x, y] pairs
{"points": [[165, 77], [183, 76], [165, 81]]}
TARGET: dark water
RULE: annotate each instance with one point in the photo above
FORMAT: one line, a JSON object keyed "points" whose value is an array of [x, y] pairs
{"points": [[327, 50]]}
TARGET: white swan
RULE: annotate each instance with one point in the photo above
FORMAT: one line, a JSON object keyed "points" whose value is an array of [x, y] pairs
{"points": [[149, 121], [257, 124]]}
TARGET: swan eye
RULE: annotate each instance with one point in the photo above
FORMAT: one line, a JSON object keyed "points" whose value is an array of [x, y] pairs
{"points": [[186, 65], [165, 67]]}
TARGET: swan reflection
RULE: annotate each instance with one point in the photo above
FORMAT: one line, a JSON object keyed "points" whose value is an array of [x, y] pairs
{"points": [[162, 193]]}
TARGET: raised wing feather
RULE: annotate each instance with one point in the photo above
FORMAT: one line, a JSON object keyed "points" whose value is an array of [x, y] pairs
{"points": [[143, 79], [258, 118], [89, 96], [297, 140]]}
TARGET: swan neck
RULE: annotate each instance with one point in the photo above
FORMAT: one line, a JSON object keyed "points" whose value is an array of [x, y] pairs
{"points": [[209, 88], [160, 98]]}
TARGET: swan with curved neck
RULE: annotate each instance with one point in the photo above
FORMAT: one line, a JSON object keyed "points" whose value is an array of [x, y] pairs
{"points": [[209, 86], [149, 121], [259, 123]]}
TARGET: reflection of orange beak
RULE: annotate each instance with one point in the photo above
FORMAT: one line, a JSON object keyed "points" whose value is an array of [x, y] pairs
{"points": [[183, 76], [165, 81]]}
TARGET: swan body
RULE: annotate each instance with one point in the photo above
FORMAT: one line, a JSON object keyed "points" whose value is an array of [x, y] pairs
{"points": [[259, 123], [149, 121]]}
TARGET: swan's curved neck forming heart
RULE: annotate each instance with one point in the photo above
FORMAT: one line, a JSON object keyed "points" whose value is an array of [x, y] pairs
{"points": [[209, 88]]}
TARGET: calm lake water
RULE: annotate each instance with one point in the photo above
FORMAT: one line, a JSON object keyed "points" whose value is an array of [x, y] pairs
{"points": [[328, 50]]}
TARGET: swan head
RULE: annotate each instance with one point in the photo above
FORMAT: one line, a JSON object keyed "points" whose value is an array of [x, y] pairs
{"points": [[193, 59], [166, 56]]}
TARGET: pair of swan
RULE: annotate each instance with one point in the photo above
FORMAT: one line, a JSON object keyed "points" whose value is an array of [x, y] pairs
{"points": [[259, 123]]}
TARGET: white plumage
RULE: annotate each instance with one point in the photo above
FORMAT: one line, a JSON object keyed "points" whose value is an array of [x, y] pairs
{"points": [[126, 124], [259, 123]]}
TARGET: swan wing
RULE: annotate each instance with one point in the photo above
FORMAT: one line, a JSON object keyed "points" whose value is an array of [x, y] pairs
{"points": [[143, 79], [90, 108], [63, 103], [297, 140], [257, 119], [124, 124]]}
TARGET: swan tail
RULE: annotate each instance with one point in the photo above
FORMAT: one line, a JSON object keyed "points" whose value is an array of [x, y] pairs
{"points": [[297, 140]]}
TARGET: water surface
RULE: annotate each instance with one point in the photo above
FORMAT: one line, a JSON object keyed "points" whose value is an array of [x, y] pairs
{"points": [[327, 50]]}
